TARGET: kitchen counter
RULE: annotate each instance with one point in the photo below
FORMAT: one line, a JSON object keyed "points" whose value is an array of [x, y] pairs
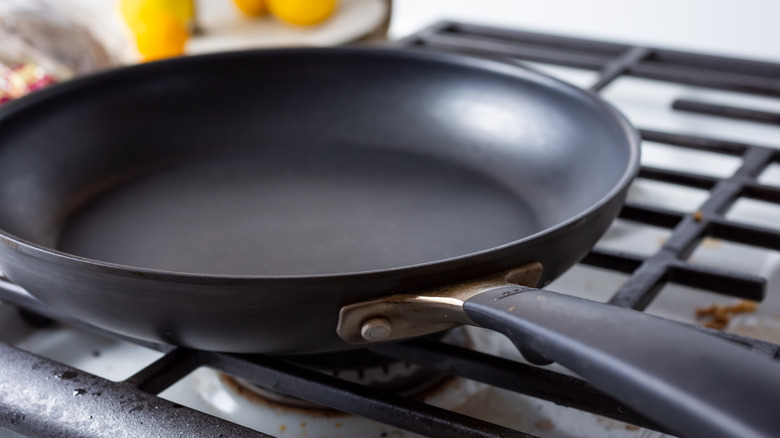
{"points": [[748, 28]]}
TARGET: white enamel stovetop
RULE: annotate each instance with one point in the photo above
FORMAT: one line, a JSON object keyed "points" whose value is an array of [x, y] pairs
{"points": [[748, 28]]}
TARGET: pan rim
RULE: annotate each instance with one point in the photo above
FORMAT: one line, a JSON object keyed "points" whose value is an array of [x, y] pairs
{"points": [[19, 106]]}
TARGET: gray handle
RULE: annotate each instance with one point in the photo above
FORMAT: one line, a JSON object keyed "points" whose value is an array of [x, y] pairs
{"points": [[695, 384]]}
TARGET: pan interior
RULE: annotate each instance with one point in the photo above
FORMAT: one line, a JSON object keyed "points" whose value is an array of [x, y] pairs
{"points": [[297, 211]]}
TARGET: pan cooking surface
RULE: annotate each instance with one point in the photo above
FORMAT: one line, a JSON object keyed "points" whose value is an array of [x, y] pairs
{"points": [[306, 161], [301, 210]]}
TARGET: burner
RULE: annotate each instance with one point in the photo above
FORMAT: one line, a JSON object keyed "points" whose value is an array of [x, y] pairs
{"points": [[361, 366], [224, 396]]}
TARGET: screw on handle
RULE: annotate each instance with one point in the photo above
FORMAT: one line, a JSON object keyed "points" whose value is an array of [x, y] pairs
{"points": [[376, 329]]}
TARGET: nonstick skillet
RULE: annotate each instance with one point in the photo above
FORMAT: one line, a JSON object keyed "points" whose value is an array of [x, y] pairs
{"points": [[313, 200]]}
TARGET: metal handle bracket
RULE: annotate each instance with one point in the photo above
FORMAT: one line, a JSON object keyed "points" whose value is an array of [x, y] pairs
{"points": [[399, 317]]}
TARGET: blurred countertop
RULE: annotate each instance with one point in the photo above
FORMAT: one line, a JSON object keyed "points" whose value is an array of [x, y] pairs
{"points": [[745, 28]]}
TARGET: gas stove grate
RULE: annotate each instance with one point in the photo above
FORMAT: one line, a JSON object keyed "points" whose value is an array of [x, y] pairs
{"points": [[612, 61], [123, 401]]}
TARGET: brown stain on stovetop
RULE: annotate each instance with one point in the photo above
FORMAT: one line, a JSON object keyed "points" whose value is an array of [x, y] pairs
{"points": [[718, 316], [544, 424], [609, 424], [445, 382], [323, 411], [318, 412]]}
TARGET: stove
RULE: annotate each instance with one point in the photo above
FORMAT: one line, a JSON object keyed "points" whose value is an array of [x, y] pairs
{"points": [[696, 242]]}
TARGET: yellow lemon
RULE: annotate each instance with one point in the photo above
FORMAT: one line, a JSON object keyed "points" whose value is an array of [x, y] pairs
{"points": [[161, 36], [253, 8], [302, 12], [137, 11]]}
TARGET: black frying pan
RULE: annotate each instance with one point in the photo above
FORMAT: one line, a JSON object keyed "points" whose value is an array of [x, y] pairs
{"points": [[241, 202]]}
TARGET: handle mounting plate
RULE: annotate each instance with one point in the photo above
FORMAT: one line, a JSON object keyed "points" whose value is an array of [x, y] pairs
{"points": [[398, 317]]}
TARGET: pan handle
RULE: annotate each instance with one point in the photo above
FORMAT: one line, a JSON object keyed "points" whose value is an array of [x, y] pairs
{"points": [[695, 384]]}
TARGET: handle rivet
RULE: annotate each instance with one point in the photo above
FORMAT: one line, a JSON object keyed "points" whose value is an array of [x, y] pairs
{"points": [[376, 329]]}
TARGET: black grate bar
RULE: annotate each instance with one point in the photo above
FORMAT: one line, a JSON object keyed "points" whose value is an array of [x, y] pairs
{"points": [[353, 398], [514, 376], [695, 142], [519, 37], [619, 261], [762, 193], [660, 56], [755, 161], [165, 371], [747, 234], [680, 178], [419, 38], [765, 348], [684, 239], [707, 79], [69, 403], [483, 47], [664, 57], [648, 280], [731, 112], [665, 65], [735, 284], [718, 63], [640, 290], [656, 216], [620, 65]]}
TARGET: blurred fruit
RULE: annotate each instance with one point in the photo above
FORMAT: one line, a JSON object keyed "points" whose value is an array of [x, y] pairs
{"points": [[136, 11], [253, 8], [302, 12], [161, 36], [161, 27]]}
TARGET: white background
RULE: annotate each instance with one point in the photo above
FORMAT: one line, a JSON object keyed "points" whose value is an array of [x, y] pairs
{"points": [[746, 28]]}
